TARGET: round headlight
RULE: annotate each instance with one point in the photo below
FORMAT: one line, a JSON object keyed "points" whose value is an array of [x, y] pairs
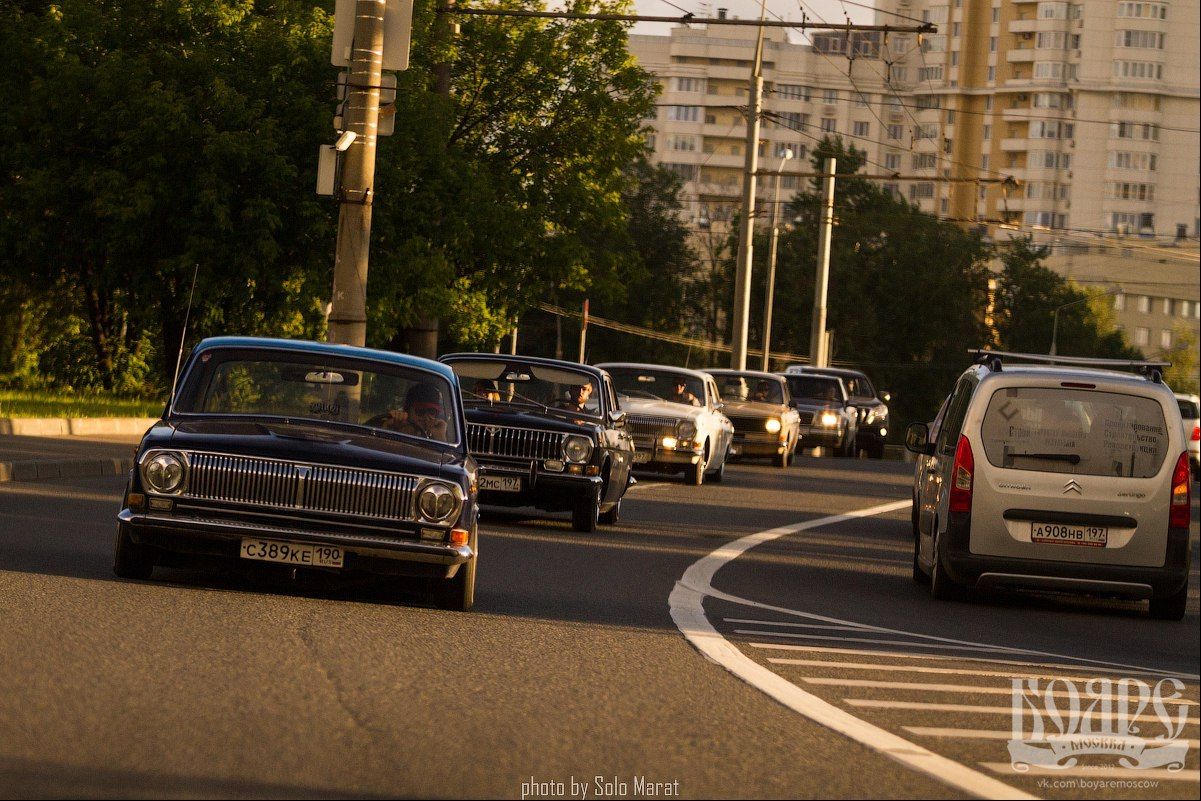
{"points": [[686, 429], [772, 424], [829, 419], [577, 449], [163, 473], [436, 503]]}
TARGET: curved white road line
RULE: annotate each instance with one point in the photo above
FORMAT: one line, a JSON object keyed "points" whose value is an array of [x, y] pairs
{"points": [[689, 615]]}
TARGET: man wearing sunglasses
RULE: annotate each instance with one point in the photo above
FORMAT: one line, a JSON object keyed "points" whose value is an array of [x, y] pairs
{"points": [[423, 414]]}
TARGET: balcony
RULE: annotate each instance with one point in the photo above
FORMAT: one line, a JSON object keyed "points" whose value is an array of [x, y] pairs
{"points": [[1023, 54], [1015, 144], [1023, 26]]}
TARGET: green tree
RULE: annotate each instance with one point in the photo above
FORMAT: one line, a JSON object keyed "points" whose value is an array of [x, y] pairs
{"points": [[1182, 375]]}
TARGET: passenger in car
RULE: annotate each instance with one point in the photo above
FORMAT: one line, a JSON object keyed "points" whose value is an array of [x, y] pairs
{"points": [[423, 414]]}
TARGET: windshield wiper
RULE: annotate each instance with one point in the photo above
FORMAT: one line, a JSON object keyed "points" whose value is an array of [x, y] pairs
{"points": [[1070, 458]]}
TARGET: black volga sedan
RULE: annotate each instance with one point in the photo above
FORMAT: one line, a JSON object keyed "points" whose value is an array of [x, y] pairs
{"points": [[546, 433], [305, 456]]}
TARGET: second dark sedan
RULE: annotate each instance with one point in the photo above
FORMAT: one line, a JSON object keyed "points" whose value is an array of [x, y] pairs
{"points": [[828, 418], [546, 433]]}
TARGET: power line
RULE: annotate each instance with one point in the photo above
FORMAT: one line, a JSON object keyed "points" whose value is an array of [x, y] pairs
{"points": [[687, 19]]}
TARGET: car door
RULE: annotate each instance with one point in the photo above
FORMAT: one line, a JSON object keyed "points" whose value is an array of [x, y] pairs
{"points": [[934, 497], [722, 424], [619, 444]]}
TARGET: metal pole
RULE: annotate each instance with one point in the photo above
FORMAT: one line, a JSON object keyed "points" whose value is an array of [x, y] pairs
{"points": [[583, 331], [818, 354], [1054, 330], [771, 264], [348, 309], [746, 230], [513, 342]]}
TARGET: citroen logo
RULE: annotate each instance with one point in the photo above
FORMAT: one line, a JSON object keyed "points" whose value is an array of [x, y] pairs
{"points": [[1071, 486]]}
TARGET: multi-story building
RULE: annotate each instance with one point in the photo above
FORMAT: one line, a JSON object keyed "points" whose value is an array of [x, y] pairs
{"points": [[700, 126], [1092, 107]]}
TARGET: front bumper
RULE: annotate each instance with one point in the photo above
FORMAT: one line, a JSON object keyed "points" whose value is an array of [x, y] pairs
{"points": [[668, 459], [989, 572], [759, 444], [551, 492], [372, 553], [821, 436]]}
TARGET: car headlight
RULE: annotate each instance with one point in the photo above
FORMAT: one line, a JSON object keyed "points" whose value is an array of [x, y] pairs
{"points": [[437, 503], [772, 425], [685, 429], [577, 449], [164, 473], [829, 419]]}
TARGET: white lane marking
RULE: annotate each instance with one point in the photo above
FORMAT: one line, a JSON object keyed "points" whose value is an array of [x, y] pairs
{"points": [[872, 703], [849, 626], [966, 658], [687, 611], [990, 649], [971, 688], [1161, 774], [1007, 674], [1007, 734]]}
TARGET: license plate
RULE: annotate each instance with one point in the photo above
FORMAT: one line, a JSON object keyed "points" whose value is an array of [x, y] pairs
{"points": [[501, 483], [642, 457], [1062, 534], [292, 553]]}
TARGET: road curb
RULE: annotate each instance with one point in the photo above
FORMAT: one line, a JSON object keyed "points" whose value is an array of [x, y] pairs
{"points": [[74, 426], [44, 469]]}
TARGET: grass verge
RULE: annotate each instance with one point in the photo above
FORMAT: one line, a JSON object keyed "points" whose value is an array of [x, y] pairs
{"points": [[15, 403]]}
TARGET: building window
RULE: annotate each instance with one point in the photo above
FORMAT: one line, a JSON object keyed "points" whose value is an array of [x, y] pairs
{"points": [[861, 128], [684, 113], [1167, 306], [830, 96], [1144, 304], [787, 91], [1185, 308], [1138, 70], [1142, 336], [828, 125], [895, 131], [1119, 302], [690, 84], [892, 161], [1165, 339]]}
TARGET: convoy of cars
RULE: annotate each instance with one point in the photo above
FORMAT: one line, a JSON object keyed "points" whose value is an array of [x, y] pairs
{"points": [[1065, 475]]}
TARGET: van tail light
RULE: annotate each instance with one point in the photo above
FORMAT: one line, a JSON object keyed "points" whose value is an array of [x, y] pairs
{"points": [[1196, 433], [961, 477], [1179, 515]]}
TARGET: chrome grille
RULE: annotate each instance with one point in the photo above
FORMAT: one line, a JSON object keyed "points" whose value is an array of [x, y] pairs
{"points": [[807, 418], [748, 425], [514, 443], [290, 485], [650, 426]]}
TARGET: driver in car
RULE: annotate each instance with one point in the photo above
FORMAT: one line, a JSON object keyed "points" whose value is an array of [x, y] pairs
{"points": [[680, 393], [577, 398], [422, 415]]}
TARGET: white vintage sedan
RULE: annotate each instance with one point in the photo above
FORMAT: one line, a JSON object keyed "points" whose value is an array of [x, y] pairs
{"points": [[675, 416]]}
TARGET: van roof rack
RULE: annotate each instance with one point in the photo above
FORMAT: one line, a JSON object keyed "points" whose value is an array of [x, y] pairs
{"points": [[995, 358]]}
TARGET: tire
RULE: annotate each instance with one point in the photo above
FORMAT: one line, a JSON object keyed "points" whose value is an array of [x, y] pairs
{"points": [[847, 450], [695, 474], [130, 560], [718, 475], [585, 515], [942, 586], [457, 594], [1172, 607], [611, 517]]}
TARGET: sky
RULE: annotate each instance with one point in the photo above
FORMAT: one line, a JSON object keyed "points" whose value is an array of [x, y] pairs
{"points": [[828, 10]]}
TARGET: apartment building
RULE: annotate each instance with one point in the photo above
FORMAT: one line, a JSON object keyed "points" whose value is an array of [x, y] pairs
{"points": [[1091, 106], [700, 125]]}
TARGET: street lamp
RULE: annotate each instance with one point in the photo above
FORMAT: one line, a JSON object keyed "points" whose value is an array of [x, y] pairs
{"points": [[771, 262], [1055, 313]]}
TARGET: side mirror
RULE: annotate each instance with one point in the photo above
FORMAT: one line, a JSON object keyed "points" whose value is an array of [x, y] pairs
{"points": [[917, 439], [719, 406], [886, 396], [617, 418]]}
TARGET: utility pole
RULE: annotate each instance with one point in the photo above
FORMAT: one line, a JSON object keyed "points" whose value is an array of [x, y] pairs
{"points": [[348, 309], [746, 228], [771, 263], [583, 331], [818, 353]]}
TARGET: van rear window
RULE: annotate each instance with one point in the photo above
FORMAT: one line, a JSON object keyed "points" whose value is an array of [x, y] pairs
{"points": [[1074, 431]]}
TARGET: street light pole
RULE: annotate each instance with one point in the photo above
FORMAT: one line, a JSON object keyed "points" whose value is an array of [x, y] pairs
{"points": [[771, 263], [819, 353], [746, 230], [1055, 314]]}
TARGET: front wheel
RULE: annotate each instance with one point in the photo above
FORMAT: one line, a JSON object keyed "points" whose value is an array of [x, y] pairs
{"points": [[717, 475], [585, 515], [457, 594], [130, 560], [611, 517]]}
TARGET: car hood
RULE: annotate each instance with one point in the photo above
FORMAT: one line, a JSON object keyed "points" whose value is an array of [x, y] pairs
{"points": [[755, 409], [661, 408], [305, 442], [555, 421], [810, 405]]}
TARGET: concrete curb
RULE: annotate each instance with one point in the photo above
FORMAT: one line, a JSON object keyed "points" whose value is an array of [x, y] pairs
{"points": [[74, 426], [42, 469]]}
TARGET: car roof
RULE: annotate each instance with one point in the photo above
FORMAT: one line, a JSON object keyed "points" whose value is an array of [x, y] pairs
{"points": [[536, 360], [328, 349], [1065, 373], [640, 366], [842, 372], [812, 374], [751, 373]]}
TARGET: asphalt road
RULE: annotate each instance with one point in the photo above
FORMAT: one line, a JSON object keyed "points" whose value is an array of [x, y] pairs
{"points": [[571, 667]]}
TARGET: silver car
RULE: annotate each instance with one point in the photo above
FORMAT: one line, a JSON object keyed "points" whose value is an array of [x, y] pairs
{"points": [[1192, 429], [1053, 477], [675, 416]]}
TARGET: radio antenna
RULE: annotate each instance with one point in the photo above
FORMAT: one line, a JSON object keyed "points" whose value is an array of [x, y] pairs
{"points": [[183, 337]]}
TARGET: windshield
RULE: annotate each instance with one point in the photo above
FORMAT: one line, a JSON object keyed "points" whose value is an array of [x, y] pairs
{"points": [[667, 385], [515, 382], [323, 389], [812, 387], [1075, 431], [748, 387]]}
